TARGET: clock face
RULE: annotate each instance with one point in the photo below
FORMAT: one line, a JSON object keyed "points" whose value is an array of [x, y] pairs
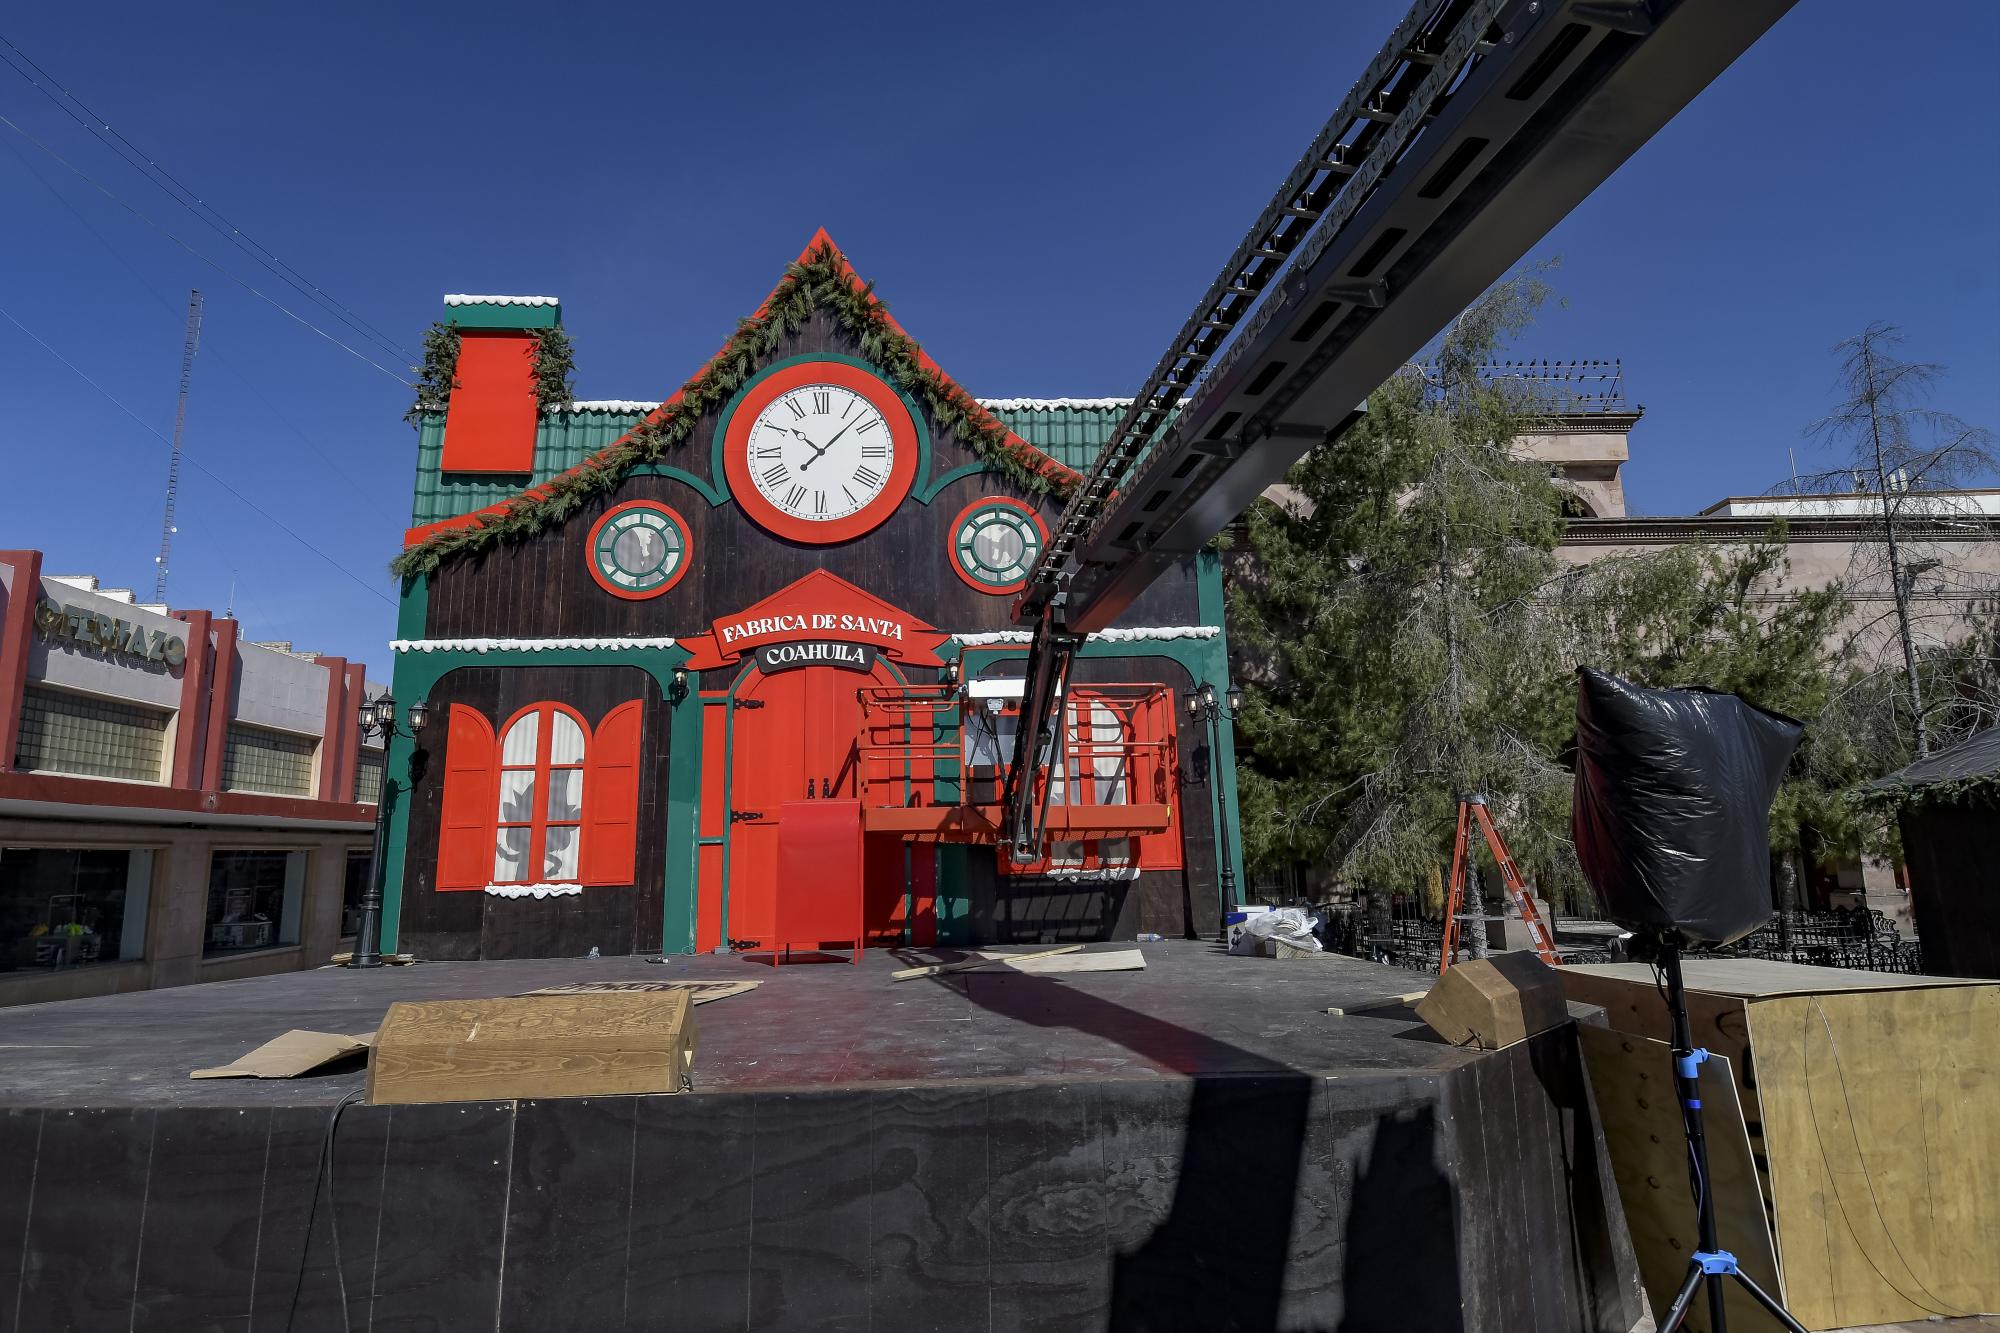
{"points": [[821, 452], [639, 549]]}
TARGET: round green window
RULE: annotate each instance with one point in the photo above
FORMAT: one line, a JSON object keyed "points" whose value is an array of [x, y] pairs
{"points": [[639, 549], [994, 543]]}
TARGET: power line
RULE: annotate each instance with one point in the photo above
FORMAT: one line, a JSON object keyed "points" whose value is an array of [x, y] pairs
{"points": [[215, 353], [84, 176], [181, 194], [186, 457]]}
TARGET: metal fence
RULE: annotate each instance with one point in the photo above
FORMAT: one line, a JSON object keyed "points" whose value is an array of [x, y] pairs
{"points": [[1403, 936], [1852, 939]]}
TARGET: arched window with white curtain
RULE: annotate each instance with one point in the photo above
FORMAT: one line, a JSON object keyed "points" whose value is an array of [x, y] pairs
{"points": [[538, 822], [550, 802]]}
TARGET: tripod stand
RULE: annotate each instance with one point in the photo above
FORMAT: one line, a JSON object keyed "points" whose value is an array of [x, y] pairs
{"points": [[1710, 1263]]}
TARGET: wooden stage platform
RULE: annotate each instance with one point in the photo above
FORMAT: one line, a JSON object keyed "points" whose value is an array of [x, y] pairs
{"points": [[1193, 1146]]}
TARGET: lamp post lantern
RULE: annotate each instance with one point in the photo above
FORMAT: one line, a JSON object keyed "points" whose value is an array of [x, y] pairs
{"points": [[378, 718]]}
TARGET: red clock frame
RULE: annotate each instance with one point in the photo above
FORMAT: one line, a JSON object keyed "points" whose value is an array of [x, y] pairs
{"points": [[879, 394]]}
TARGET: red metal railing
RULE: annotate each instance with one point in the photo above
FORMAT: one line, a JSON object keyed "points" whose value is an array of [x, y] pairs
{"points": [[933, 763]]}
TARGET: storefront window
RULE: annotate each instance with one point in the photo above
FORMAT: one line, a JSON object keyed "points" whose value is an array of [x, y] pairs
{"points": [[359, 864], [259, 759], [253, 900], [79, 733], [72, 907]]}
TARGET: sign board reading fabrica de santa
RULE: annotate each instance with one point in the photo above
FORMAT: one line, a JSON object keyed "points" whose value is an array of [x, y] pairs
{"points": [[821, 620]]}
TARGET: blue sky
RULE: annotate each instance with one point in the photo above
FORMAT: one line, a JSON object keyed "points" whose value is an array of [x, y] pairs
{"points": [[1039, 199]]}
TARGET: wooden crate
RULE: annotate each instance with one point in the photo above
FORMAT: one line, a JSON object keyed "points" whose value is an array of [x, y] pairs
{"points": [[592, 1045], [1871, 1105]]}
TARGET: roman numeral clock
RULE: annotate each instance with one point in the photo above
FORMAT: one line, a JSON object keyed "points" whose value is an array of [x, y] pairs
{"points": [[820, 451]]}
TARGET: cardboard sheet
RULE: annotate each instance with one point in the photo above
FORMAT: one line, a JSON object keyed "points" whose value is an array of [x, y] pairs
{"points": [[297, 1052]]}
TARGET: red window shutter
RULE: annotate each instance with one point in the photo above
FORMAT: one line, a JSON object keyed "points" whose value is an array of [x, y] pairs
{"points": [[611, 798], [1159, 722], [465, 834], [490, 425]]}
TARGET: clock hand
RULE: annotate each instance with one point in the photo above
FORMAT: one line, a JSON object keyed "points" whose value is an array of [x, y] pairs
{"points": [[829, 444], [817, 449]]}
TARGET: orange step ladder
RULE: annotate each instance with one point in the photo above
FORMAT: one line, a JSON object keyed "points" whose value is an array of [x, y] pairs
{"points": [[1473, 809]]}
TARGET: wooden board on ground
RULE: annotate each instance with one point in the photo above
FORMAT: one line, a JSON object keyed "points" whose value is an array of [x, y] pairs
{"points": [[698, 992], [1632, 1079], [967, 964], [1108, 960], [532, 1047], [1882, 1116]]}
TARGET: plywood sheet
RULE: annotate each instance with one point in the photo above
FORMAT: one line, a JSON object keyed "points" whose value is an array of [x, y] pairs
{"points": [[1882, 1116], [1718, 1023], [1632, 1078], [1756, 978]]}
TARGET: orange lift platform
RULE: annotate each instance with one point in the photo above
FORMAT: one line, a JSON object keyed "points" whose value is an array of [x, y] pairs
{"points": [[933, 761]]}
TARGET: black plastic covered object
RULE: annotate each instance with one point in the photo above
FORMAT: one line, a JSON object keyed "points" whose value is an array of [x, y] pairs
{"points": [[1673, 805]]}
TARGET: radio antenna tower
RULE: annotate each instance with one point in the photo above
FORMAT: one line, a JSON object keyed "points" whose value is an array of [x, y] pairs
{"points": [[174, 457]]}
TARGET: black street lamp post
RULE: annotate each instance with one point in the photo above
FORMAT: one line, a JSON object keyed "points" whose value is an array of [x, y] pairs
{"points": [[378, 718], [1206, 707]]}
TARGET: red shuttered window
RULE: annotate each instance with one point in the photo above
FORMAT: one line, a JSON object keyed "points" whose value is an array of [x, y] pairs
{"points": [[465, 836], [611, 818], [543, 801]]}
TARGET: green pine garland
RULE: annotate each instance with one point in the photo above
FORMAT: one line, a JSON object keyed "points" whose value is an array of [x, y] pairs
{"points": [[555, 361], [436, 377], [819, 282]]}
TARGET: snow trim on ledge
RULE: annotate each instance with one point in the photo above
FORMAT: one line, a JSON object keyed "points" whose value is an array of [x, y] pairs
{"points": [[1152, 634], [533, 890], [516, 645], [622, 406], [1049, 404], [460, 298]]}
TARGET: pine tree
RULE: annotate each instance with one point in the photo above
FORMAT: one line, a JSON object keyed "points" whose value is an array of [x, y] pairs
{"points": [[1386, 614], [1409, 634]]}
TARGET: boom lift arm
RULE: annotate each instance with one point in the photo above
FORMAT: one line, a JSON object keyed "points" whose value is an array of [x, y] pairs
{"points": [[1478, 127]]}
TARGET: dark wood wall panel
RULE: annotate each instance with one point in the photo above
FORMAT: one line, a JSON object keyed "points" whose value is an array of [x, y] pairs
{"points": [[465, 924], [1955, 886], [543, 588]]}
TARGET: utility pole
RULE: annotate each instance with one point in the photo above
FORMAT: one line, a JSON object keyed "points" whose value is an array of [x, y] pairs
{"points": [[174, 455]]}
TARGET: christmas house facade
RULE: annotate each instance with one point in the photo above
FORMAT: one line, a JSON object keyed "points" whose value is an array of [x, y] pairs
{"points": [[738, 669]]}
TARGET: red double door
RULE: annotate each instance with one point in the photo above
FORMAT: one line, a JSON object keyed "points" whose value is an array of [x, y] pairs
{"points": [[786, 737]]}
